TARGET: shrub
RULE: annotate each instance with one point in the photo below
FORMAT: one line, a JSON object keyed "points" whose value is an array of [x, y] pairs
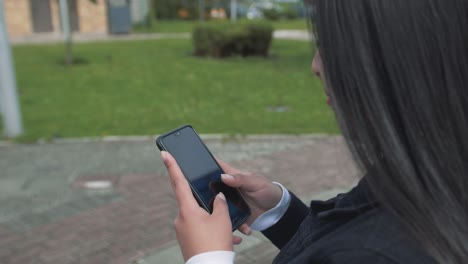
{"points": [[207, 40], [261, 35], [290, 13], [166, 9], [271, 14], [224, 39]]}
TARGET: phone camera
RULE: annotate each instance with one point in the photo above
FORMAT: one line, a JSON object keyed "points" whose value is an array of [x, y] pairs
{"points": [[177, 133]]}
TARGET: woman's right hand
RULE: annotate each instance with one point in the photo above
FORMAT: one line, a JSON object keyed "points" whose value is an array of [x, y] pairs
{"points": [[259, 192]]}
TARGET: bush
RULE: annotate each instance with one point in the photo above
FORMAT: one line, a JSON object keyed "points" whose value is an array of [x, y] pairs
{"points": [[290, 13], [223, 39], [271, 14], [261, 35], [166, 9], [208, 40], [282, 11]]}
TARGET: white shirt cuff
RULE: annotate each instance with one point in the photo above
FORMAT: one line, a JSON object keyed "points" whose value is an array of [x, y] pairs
{"points": [[213, 257], [272, 216]]}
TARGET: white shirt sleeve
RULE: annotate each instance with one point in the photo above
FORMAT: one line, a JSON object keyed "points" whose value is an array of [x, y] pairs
{"points": [[213, 257], [272, 216]]}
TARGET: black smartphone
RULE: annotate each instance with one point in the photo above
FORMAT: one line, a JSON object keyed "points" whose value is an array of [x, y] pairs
{"points": [[202, 172]]}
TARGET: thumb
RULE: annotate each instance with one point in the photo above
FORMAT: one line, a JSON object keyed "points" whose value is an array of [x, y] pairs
{"points": [[246, 181], [231, 180], [220, 206]]}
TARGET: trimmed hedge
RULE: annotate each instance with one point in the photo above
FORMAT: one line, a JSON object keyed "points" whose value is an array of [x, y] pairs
{"points": [[272, 14], [223, 39]]}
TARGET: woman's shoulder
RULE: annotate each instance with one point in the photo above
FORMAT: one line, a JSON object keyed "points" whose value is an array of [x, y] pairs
{"points": [[373, 237], [352, 228]]}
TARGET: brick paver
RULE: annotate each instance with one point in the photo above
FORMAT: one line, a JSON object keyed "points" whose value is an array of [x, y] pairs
{"points": [[134, 219]]}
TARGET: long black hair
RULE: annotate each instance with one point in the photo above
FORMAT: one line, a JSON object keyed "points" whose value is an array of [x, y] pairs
{"points": [[397, 72]]}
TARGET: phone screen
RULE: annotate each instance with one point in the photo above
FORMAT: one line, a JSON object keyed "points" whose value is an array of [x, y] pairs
{"points": [[203, 172]]}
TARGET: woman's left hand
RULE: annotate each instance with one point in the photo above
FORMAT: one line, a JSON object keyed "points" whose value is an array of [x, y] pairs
{"points": [[196, 229]]}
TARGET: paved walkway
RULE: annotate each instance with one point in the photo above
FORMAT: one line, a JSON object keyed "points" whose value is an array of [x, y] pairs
{"points": [[52, 38], [110, 201]]}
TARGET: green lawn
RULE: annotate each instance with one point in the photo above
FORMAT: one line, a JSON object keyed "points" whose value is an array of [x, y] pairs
{"points": [[296, 24], [149, 87], [178, 26]]}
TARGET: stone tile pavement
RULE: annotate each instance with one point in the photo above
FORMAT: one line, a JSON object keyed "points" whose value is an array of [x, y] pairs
{"points": [[110, 201]]}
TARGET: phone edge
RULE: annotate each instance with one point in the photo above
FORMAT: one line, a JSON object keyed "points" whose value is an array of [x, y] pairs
{"points": [[161, 147]]}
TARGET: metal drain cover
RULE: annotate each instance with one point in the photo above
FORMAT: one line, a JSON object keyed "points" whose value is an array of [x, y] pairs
{"points": [[97, 185]]}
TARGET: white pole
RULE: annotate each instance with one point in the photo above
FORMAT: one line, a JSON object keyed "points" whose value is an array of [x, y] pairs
{"points": [[233, 10], [9, 98]]}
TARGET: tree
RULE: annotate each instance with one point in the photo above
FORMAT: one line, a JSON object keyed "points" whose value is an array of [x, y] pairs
{"points": [[65, 16]]}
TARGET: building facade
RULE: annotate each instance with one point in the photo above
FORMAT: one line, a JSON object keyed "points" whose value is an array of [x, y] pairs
{"points": [[26, 17]]}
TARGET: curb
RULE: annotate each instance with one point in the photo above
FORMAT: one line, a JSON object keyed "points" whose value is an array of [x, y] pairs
{"points": [[53, 38], [151, 138], [6, 144]]}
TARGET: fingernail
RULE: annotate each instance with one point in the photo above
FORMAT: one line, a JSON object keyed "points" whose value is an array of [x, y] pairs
{"points": [[227, 177], [221, 196]]}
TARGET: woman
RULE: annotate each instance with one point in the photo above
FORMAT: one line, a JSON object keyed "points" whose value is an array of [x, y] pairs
{"points": [[396, 72]]}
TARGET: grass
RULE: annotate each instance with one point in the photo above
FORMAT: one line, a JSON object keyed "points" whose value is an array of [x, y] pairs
{"points": [[150, 87], [296, 24], [179, 26]]}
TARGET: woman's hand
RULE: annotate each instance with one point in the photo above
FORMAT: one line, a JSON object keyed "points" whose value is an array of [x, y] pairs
{"points": [[197, 230], [259, 192]]}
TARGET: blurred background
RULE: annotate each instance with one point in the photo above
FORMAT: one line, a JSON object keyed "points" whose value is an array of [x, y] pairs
{"points": [[87, 85]]}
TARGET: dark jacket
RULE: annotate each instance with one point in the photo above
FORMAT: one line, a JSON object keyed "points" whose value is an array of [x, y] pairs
{"points": [[350, 228]]}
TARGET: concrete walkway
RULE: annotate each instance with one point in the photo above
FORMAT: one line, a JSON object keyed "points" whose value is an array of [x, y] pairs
{"points": [[52, 38], [110, 201]]}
